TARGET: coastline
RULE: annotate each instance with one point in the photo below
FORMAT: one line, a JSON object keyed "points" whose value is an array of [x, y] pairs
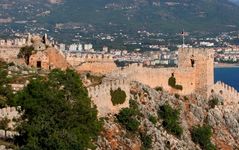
{"points": [[225, 65]]}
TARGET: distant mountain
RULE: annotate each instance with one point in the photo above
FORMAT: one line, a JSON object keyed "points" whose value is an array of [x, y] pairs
{"points": [[129, 15], [164, 15]]}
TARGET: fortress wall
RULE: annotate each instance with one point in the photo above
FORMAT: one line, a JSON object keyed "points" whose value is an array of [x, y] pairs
{"points": [[13, 43], [230, 95], [9, 49], [100, 96], [97, 67], [154, 77], [9, 53], [77, 59], [159, 77]]}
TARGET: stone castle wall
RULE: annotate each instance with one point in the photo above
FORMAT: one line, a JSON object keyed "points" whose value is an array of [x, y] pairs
{"points": [[229, 94], [50, 58], [9, 53], [155, 77], [77, 59], [96, 63], [100, 95], [196, 77], [97, 67], [9, 49]]}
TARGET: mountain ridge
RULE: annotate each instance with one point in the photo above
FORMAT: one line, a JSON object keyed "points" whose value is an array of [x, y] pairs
{"points": [[128, 15], [153, 14]]}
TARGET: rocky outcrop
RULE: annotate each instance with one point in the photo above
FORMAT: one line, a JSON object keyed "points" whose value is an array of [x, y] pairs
{"points": [[194, 110]]}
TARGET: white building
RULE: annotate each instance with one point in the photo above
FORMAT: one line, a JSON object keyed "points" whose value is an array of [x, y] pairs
{"points": [[62, 47], [208, 44], [88, 47], [105, 49], [73, 47], [80, 47]]}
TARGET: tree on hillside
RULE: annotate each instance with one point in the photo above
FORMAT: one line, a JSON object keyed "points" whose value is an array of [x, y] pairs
{"points": [[5, 90], [25, 52], [57, 114]]}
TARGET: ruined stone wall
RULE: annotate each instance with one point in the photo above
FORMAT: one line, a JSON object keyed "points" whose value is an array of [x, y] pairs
{"points": [[96, 63], [97, 67], [9, 54], [77, 59], [40, 56], [50, 58], [56, 59], [9, 49], [101, 97], [229, 94], [13, 43]]}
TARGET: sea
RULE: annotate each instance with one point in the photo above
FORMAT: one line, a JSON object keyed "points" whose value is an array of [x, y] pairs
{"points": [[229, 76]]}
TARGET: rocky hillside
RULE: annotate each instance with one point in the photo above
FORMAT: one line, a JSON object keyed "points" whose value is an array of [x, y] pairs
{"points": [[152, 132]]}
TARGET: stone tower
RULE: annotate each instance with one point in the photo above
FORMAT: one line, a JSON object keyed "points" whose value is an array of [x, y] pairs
{"points": [[202, 61]]}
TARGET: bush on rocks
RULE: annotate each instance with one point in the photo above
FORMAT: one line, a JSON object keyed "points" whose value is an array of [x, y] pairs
{"points": [[201, 135], [118, 96], [170, 118]]}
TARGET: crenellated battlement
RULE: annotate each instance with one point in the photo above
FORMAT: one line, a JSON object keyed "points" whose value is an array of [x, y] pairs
{"points": [[16, 43], [89, 57], [106, 86], [196, 51], [230, 94], [101, 97]]}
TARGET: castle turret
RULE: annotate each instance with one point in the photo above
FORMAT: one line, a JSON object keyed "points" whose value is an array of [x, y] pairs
{"points": [[203, 61]]}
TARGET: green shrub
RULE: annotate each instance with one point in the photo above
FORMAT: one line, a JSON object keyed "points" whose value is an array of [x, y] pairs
{"points": [[118, 96], [134, 106], [202, 135], [170, 118], [159, 88], [127, 118], [213, 102], [178, 87], [146, 141], [172, 81], [152, 119]]}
